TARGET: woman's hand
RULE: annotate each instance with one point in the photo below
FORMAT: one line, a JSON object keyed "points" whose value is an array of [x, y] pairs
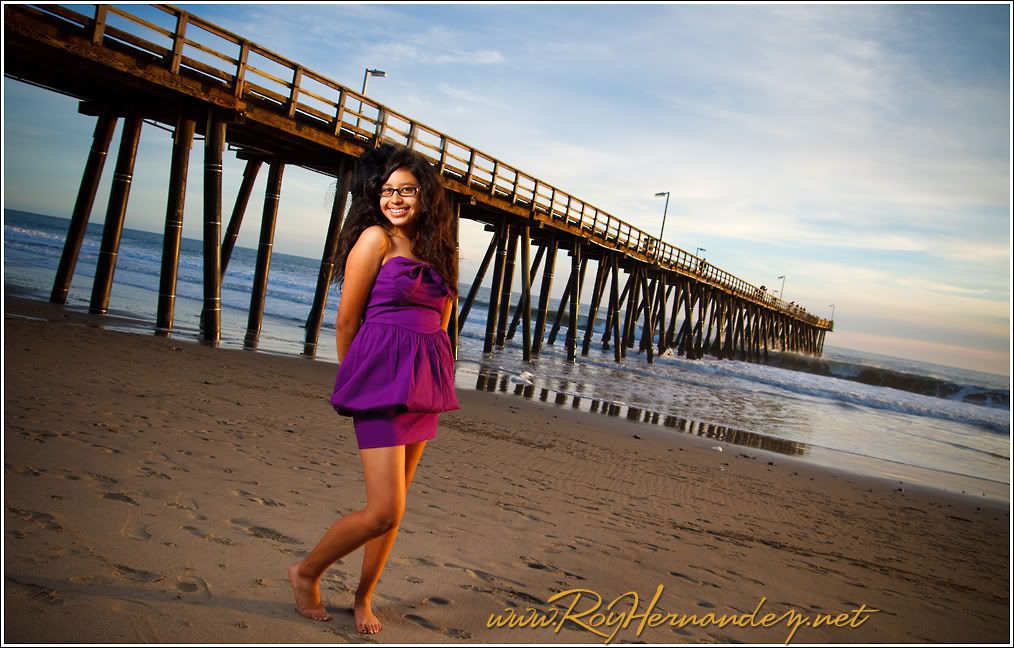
{"points": [[361, 268]]}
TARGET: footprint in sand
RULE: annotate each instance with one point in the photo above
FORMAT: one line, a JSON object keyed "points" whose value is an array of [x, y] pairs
{"points": [[134, 530], [193, 588], [44, 520], [534, 564], [37, 593], [685, 577], [429, 625], [263, 532], [149, 473], [265, 501], [120, 497], [138, 575], [103, 479], [559, 548], [29, 470], [481, 575], [91, 580], [204, 535], [514, 596], [186, 504], [106, 449]]}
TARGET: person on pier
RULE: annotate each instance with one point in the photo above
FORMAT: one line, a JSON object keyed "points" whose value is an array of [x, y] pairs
{"points": [[398, 270]]}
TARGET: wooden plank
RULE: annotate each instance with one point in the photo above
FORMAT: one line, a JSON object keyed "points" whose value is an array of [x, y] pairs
{"points": [[136, 20], [75, 18], [99, 24], [239, 79], [179, 39], [157, 51], [267, 75], [204, 48], [297, 77], [224, 77]]}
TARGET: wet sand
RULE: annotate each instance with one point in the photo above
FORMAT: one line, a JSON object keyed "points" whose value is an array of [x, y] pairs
{"points": [[155, 490]]}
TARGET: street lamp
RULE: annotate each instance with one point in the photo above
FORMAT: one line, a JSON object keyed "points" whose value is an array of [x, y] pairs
{"points": [[698, 251], [664, 211], [782, 291], [366, 77], [832, 311]]}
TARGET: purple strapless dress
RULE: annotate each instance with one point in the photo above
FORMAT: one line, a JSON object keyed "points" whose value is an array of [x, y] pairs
{"points": [[398, 374]]}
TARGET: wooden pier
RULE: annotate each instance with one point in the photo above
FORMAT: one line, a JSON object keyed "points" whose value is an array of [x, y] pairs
{"points": [[158, 63]]}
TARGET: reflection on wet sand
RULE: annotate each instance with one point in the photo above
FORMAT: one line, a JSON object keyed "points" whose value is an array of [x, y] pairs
{"points": [[490, 380]]}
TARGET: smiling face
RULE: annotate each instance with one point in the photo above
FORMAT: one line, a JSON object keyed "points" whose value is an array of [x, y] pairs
{"points": [[401, 211]]}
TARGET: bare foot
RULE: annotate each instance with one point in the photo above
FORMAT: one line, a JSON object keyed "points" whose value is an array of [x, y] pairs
{"points": [[307, 595], [366, 621]]}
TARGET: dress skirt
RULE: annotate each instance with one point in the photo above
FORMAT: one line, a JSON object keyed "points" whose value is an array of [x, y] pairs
{"points": [[383, 430]]}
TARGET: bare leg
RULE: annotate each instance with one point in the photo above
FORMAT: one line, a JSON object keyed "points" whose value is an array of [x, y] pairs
{"points": [[376, 553], [384, 471]]}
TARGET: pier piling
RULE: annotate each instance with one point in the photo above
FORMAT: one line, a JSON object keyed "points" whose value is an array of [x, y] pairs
{"points": [[101, 138], [183, 139], [116, 211]]}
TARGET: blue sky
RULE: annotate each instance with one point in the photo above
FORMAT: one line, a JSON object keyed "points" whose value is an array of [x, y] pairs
{"points": [[863, 151]]}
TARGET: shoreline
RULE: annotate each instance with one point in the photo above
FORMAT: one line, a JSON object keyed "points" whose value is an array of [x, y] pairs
{"points": [[156, 489], [472, 376]]}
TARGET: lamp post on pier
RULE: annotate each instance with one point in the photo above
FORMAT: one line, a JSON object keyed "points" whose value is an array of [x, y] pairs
{"points": [[698, 251], [664, 211], [366, 77], [782, 291], [832, 311]]}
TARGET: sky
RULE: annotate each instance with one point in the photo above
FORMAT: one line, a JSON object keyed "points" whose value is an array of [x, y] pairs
{"points": [[861, 151]]}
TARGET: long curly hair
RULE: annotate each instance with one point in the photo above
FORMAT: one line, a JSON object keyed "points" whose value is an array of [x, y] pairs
{"points": [[434, 238]]}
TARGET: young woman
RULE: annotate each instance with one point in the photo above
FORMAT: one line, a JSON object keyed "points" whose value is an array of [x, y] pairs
{"points": [[397, 265]]}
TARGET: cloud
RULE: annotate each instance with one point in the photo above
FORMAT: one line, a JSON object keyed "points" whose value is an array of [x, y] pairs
{"points": [[464, 57]]}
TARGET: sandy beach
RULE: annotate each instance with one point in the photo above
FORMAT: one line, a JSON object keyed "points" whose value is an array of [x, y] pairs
{"points": [[155, 490]]}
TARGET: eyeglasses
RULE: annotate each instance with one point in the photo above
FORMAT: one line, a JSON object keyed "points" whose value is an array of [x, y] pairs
{"points": [[404, 192]]}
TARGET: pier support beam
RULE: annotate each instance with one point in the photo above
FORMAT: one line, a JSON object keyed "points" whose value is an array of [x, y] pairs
{"points": [[238, 211], [565, 301], [343, 184], [532, 272], [508, 283], [183, 139], [614, 306], [547, 284], [116, 211], [613, 314], [630, 312], [593, 306], [577, 266], [661, 300], [272, 194], [679, 293], [477, 282], [526, 293], [649, 322], [214, 146], [101, 139], [497, 286]]}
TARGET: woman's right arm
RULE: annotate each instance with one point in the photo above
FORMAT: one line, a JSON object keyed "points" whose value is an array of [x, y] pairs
{"points": [[361, 270]]}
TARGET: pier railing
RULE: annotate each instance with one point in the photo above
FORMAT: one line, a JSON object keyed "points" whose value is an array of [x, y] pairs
{"points": [[189, 45]]}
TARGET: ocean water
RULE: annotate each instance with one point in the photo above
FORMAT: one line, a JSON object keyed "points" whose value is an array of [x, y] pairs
{"points": [[903, 419]]}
